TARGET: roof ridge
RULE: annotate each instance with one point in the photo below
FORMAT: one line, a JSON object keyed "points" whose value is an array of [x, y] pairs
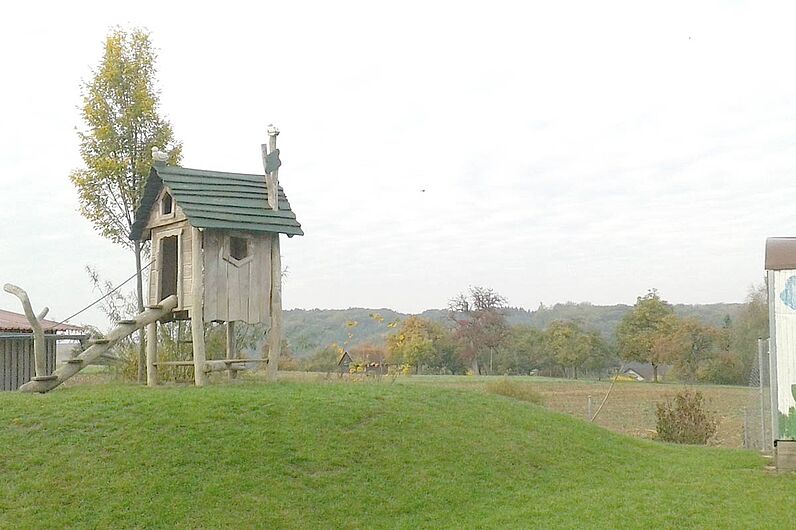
{"points": [[169, 169]]}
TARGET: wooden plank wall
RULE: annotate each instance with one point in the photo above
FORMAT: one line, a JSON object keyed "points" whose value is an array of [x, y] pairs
{"points": [[16, 361], [237, 291]]}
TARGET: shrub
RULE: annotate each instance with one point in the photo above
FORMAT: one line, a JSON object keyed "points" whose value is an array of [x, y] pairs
{"points": [[169, 349], [685, 420], [513, 389]]}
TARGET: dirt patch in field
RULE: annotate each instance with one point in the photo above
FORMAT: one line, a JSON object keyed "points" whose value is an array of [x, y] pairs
{"points": [[630, 409]]}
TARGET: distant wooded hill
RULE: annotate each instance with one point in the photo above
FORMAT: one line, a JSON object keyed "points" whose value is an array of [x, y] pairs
{"points": [[308, 330]]}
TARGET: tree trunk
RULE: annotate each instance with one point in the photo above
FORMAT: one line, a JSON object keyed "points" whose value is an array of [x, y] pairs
{"points": [[654, 373], [139, 286], [475, 365]]}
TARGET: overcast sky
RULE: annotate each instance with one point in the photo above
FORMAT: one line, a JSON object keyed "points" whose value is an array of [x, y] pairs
{"points": [[569, 151]]}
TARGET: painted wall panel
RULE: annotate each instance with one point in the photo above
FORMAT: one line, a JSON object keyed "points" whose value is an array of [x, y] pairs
{"points": [[782, 305]]}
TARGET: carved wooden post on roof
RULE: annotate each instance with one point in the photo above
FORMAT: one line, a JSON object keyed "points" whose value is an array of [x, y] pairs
{"points": [[215, 246]]}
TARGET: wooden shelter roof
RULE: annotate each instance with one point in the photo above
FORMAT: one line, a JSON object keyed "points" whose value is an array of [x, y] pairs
{"points": [[10, 321], [780, 253], [215, 199]]}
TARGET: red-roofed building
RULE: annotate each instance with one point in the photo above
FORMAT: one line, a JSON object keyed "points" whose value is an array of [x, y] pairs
{"points": [[14, 322], [16, 347]]}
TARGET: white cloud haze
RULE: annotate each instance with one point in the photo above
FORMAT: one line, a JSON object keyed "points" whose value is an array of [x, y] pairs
{"points": [[569, 151]]}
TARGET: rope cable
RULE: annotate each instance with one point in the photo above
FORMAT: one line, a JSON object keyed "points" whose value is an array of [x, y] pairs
{"points": [[103, 297]]}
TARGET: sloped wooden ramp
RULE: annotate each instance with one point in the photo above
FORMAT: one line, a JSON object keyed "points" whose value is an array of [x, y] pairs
{"points": [[100, 346]]}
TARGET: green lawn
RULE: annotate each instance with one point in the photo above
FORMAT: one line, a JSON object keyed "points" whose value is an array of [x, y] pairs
{"points": [[355, 455]]}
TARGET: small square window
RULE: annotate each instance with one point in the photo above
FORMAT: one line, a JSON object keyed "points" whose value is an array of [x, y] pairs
{"points": [[238, 248]]}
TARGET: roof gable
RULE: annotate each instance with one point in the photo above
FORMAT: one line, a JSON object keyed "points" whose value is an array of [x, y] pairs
{"points": [[215, 199]]}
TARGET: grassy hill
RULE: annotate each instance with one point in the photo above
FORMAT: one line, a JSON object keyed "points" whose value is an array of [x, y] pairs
{"points": [[307, 330], [328, 455]]}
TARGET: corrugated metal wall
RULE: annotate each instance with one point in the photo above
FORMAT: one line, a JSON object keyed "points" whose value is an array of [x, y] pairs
{"points": [[16, 360]]}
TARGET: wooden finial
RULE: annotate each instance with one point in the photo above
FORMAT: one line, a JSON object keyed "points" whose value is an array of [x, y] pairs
{"points": [[271, 165], [159, 157]]}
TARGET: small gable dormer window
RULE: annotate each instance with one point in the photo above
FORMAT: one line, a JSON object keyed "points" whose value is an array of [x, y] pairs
{"points": [[166, 204]]}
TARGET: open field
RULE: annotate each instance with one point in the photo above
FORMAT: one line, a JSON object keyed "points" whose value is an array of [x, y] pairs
{"points": [[629, 410], [354, 455]]}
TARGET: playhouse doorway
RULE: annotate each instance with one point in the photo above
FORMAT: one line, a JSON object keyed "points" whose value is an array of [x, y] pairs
{"points": [[168, 266]]}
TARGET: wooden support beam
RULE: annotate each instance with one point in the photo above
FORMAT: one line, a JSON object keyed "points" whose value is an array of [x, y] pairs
{"points": [[275, 296], [231, 347], [224, 365], [90, 354], [151, 354], [275, 333], [197, 307]]}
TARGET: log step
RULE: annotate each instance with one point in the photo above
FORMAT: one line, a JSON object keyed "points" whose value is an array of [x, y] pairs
{"points": [[128, 322]]}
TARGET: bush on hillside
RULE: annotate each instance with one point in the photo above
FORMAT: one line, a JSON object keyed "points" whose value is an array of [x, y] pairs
{"points": [[685, 419]]}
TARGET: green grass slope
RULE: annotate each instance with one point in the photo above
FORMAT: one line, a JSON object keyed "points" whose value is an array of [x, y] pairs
{"points": [[315, 455]]}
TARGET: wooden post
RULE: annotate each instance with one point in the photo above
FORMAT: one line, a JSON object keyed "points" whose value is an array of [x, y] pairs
{"points": [[275, 333], [231, 348], [271, 178], [275, 298], [39, 347], [197, 308], [151, 353]]}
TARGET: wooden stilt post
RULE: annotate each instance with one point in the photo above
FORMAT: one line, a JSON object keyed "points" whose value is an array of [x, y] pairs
{"points": [[197, 308], [275, 299], [231, 348], [151, 353], [275, 333]]}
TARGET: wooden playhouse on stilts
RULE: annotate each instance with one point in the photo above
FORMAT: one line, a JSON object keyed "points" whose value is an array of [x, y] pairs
{"points": [[215, 246], [216, 258]]}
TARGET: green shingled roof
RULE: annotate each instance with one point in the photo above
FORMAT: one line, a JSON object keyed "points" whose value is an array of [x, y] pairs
{"points": [[212, 199]]}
